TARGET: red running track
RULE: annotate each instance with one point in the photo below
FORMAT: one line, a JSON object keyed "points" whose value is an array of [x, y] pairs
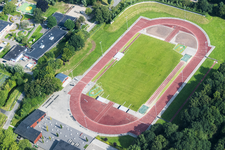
{"points": [[141, 124]]}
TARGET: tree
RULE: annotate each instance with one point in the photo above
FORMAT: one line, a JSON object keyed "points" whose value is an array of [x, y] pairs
{"points": [[84, 2], [42, 4], [19, 38], [77, 42], [88, 11], [9, 8], [81, 19], [38, 15], [24, 24], [222, 10], [51, 21], [69, 24], [109, 1], [98, 16], [24, 144], [67, 54], [24, 40], [4, 95]]}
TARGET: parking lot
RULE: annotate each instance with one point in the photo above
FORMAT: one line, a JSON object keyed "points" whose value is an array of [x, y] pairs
{"points": [[76, 12], [23, 62], [55, 132]]}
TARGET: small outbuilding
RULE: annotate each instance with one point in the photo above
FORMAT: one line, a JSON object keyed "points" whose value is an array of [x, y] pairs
{"points": [[63, 78]]}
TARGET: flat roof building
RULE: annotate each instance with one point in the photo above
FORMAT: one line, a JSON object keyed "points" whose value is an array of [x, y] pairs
{"points": [[26, 127], [45, 43], [16, 53], [62, 145], [4, 27], [61, 18]]}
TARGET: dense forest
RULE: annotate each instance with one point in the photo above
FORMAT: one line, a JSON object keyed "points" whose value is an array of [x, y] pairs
{"points": [[203, 122]]}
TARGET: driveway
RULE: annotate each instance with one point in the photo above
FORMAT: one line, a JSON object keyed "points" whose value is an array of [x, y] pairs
{"points": [[116, 2], [75, 12], [10, 114]]}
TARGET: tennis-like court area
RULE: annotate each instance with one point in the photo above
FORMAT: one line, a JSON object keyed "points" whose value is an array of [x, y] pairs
{"points": [[27, 8]]}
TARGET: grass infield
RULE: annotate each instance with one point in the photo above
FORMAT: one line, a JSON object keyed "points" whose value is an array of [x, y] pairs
{"points": [[140, 72]]}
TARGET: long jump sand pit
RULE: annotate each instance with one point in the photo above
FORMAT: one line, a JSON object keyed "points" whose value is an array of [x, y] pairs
{"points": [[186, 39], [159, 31]]}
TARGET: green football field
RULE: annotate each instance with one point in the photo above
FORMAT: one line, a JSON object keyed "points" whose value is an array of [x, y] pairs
{"points": [[140, 72], [27, 8]]}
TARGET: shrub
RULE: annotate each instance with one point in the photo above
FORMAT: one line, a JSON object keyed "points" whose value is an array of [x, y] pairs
{"points": [[22, 17], [88, 11], [11, 19]]}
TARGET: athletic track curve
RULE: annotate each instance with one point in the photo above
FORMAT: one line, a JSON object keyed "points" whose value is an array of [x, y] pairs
{"points": [[140, 125]]}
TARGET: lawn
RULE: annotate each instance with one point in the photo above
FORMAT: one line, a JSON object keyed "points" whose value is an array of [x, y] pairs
{"points": [[121, 141], [3, 78], [3, 118], [139, 73], [4, 17], [36, 35], [11, 101], [59, 7]]}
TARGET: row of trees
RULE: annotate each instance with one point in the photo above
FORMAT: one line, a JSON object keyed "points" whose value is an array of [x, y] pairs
{"points": [[203, 122], [17, 78], [44, 83]]}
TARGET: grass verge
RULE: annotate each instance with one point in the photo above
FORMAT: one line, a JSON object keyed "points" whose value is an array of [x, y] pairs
{"points": [[36, 35], [121, 141], [11, 101], [3, 119]]}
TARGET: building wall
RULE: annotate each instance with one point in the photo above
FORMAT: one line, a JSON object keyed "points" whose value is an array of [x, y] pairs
{"points": [[18, 58], [39, 136], [65, 79], [5, 30], [39, 120]]}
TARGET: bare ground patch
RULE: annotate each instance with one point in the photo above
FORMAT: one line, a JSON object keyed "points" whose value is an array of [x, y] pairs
{"points": [[159, 31], [186, 39]]}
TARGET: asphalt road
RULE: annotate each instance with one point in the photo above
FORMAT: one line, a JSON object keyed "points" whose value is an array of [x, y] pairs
{"points": [[10, 114]]}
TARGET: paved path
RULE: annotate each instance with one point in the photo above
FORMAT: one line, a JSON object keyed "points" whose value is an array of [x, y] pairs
{"points": [[116, 2], [36, 25], [143, 123], [10, 114], [92, 26], [12, 43]]}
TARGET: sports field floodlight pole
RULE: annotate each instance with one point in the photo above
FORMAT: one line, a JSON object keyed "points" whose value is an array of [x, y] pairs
{"points": [[101, 47], [85, 121], [184, 12], [182, 76], [127, 23]]}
